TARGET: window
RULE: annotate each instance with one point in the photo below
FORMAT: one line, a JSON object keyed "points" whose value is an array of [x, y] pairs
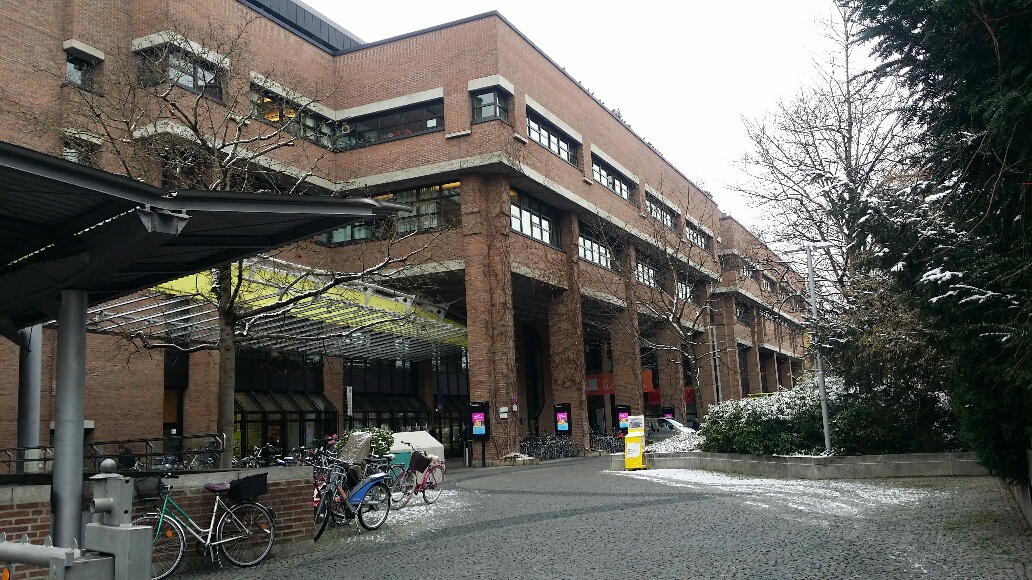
{"points": [[295, 119], [394, 124], [433, 207], [662, 211], [696, 235], [79, 152], [742, 314], [532, 218], [767, 284], [79, 72], [646, 273], [747, 270], [491, 103], [181, 68], [689, 290], [612, 179], [551, 138], [594, 252]]}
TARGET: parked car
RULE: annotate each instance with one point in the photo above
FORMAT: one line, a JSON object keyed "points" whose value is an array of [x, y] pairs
{"points": [[658, 429]]}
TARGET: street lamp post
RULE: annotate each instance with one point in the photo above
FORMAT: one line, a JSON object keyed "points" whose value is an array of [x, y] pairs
{"points": [[816, 351], [809, 248]]}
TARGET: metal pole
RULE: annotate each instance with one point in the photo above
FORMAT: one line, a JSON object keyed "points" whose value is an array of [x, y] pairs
{"points": [[716, 359], [816, 351], [66, 493], [30, 365]]}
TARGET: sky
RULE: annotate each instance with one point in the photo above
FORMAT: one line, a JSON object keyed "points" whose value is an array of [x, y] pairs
{"points": [[683, 74]]}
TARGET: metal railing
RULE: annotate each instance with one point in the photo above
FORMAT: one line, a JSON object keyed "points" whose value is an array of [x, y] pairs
{"points": [[175, 453]]}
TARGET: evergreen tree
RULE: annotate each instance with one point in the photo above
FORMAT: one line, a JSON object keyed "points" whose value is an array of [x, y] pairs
{"points": [[958, 242]]}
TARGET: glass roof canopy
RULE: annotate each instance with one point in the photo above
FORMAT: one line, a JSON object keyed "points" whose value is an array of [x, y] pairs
{"points": [[350, 321]]}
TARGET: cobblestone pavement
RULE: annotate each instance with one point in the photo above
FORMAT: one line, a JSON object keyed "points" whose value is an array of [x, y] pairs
{"points": [[575, 519]]}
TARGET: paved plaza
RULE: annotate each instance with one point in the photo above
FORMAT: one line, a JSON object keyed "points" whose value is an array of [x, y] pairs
{"points": [[576, 519]]}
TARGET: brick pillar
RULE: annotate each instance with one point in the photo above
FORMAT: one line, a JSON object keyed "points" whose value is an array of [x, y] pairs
{"points": [[489, 315], [624, 338], [770, 368], [201, 398], [785, 379], [727, 347], [566, 336], [706, 389], [333, 389], [752, 368], [671, 373]]}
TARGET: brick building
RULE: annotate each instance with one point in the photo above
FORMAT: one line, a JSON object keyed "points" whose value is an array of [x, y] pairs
{"points": [[558, 236]]}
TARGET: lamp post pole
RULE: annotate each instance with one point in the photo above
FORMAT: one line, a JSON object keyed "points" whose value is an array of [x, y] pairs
{"points": [[816, 351]]}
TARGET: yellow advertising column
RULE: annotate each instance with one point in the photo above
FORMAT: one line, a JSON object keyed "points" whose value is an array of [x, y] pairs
{"points": [[634, 443]]}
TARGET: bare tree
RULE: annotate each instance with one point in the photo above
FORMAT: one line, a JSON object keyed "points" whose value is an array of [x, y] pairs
{"points": [[190, 108], [818, 158]]}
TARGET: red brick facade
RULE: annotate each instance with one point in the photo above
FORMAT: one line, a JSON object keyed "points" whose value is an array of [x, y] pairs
{"points": [[514, 285]]}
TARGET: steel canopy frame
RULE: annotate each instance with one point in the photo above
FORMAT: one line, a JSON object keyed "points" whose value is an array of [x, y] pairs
{"points": [[352, 321]]}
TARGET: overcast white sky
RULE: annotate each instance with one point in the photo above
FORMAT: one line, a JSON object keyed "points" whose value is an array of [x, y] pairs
{"points": [[683, 73]]}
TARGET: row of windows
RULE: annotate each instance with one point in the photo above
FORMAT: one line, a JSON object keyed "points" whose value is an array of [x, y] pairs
{"points": [[176, 66], [666, 215], [295, 119], [433, 207], [697, 236], [395, 124], [533, 218], [551, 138], [595, 252], [612, 179]]}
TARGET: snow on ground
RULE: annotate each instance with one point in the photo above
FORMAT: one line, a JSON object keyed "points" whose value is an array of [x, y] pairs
{"points": [[810, 498]]}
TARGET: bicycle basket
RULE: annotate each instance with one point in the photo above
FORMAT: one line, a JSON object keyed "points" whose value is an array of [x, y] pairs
{"points": [[248, 487], [149, 488], [419, 461]]}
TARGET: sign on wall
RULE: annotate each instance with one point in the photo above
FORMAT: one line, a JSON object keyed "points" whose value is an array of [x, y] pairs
{"points": [[563, 418], [480, 419]]}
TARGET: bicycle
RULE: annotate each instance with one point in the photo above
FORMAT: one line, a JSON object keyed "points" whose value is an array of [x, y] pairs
{"points": [[241, 531], [425, 475], [393, 473], [369, 499]]}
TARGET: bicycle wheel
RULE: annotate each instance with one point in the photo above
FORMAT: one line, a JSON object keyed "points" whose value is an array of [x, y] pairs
{"points": [[168, 545], [245, 534], [393, 479], [372, 513], [433, 483], [322, 511], [401, 493]]}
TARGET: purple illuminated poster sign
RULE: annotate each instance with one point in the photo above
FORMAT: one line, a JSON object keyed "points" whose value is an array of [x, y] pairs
{"points": [[562, 421], [622, 415], [479, 426]]}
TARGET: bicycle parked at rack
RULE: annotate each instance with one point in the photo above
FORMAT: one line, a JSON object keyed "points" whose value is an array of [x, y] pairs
{"points": [[343, 498], [241, 530], [425, 475]]}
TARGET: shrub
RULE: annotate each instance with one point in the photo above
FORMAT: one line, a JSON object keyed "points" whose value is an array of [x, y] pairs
{"points": [[878, 421]]}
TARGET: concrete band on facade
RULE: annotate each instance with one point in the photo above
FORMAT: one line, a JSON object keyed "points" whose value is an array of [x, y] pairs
{"points": [[541, 318]]}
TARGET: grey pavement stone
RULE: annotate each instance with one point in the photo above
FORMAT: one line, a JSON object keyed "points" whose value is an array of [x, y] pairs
{"points": [[575, 519]]}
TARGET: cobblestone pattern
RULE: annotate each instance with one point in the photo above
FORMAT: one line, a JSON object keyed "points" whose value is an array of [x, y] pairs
{"points": [[574, 519]]}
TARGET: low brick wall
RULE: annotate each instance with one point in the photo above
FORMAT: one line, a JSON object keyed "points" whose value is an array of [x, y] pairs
{"points": [[837, 467], [25, 509]]}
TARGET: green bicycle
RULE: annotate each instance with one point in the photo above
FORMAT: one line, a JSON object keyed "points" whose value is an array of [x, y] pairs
{"points": [[241, 530]]}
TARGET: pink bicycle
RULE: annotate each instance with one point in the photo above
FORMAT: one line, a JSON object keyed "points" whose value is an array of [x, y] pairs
{"points": [[424, 475]]}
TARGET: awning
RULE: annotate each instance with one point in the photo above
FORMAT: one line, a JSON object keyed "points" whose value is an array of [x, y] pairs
{"points": [[353, 321], [278, 402]]}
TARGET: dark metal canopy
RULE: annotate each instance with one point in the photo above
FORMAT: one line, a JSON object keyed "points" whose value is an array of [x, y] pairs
{"points": [[67, 226]]}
